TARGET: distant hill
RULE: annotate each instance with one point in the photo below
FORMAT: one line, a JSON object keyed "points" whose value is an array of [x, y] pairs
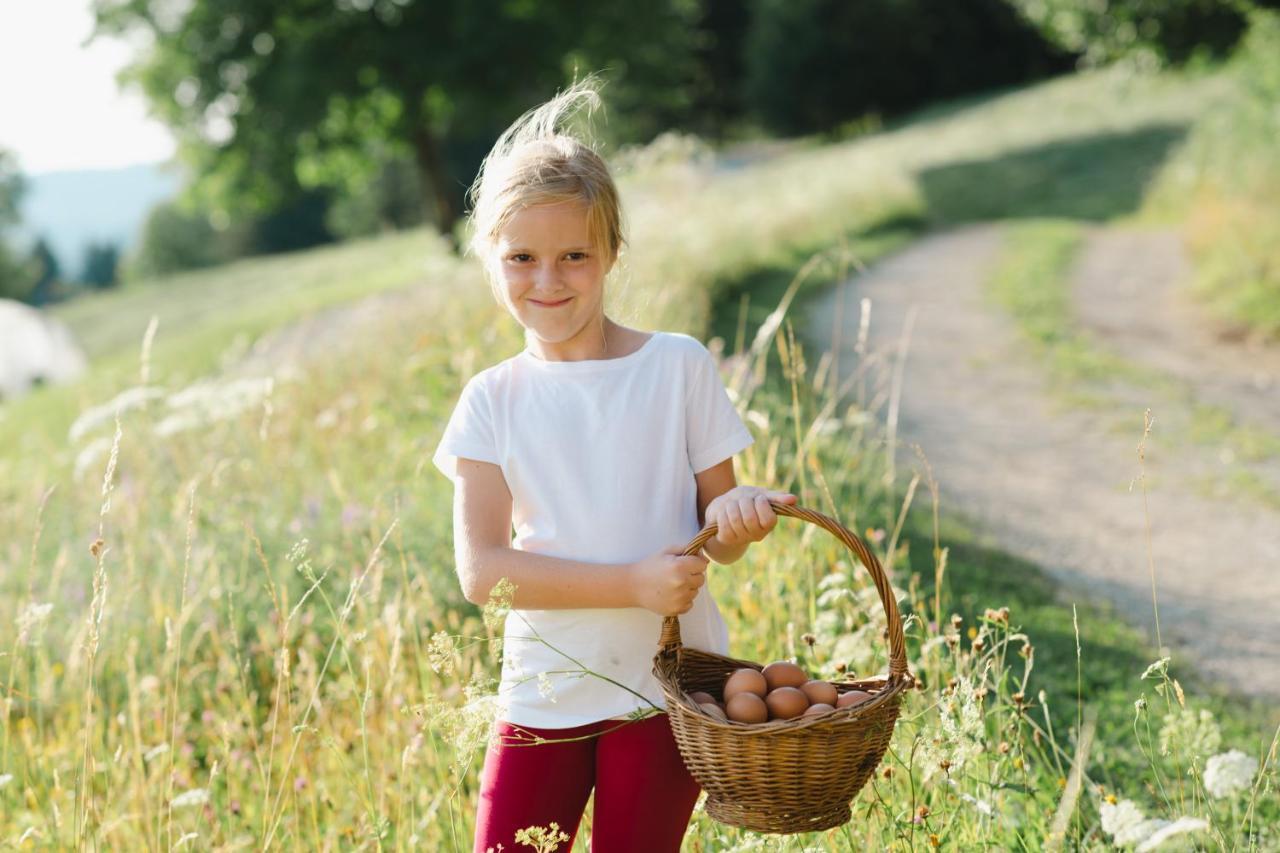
{"points": [[72, 209]]}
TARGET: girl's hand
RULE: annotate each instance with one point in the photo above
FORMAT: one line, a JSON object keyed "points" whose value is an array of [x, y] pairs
{"points": [[667, 582], [743, 514]]}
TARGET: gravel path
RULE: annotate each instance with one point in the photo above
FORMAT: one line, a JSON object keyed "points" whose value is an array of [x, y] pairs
{"points": [[1054, 485]]}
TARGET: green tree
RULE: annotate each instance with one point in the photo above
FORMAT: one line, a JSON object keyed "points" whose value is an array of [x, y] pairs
{"points": [[1149, 32], [173, 239], [15, 274], [270, 98], [100, 261], [47, 271]]}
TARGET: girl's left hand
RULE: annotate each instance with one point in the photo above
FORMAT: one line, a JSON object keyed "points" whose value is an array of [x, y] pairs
{"points": [[743, 514]]}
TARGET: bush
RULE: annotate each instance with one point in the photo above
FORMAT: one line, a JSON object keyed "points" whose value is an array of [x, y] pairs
{"points": [[812, 64], [1149, 32]]}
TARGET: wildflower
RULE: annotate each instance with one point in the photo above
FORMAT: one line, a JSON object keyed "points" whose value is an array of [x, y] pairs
{"points": [[1160, 668], [1229, 772], [499, 603], [1195, 732], [545, 687], [194, 797], [207, 402], [440, 652], [31, 622], [155, 752], [809, 640], [1125, 822], [542, 839], [956, 621], [5, 779], [128, 399], [1179, 827]]}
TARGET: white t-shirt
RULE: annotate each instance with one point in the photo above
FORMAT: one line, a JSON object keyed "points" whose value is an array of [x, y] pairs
{"points": [[600, 457]]}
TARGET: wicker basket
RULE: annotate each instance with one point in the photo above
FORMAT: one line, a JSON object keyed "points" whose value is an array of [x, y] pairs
{"points": [[783, 776]]}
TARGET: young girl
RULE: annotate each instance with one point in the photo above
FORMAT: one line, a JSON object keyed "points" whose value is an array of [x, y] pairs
{"points": [[600, 444]]}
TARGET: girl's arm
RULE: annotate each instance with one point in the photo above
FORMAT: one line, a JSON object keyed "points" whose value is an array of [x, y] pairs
{"points": [[665, 583]]}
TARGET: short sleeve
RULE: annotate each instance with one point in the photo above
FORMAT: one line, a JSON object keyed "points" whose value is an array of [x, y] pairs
{"points": [[469, 432], [714, 430]]}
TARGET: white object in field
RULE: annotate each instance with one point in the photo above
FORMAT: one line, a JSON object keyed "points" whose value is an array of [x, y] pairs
{"points": [[34, 349]]}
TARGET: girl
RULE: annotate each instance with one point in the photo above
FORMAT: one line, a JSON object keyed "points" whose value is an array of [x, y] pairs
{"points": [[598, 442]]}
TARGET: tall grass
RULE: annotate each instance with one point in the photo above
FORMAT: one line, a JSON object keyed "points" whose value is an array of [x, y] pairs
{"points": [[1224, 184], [229, 618]]}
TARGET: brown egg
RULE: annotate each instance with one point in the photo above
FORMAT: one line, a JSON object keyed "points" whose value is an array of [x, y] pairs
{"points": [[820, 692], [747, 708], [783, 673], [701, 697], [745, 681], [786, 703], [713, 710], [852, 697], [817, 709]]}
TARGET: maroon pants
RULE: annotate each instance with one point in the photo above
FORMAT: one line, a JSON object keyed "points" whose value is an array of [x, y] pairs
{"points": [[644, 795]]}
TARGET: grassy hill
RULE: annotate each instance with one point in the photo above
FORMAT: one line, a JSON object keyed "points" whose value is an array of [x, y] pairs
{"points": [[256, 634]]}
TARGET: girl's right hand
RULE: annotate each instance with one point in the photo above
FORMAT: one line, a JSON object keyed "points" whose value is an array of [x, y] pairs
{"points": [[667, 582]]}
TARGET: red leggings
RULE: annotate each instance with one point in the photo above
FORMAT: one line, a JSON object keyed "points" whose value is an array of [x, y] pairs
{"points": [[644, 795]]}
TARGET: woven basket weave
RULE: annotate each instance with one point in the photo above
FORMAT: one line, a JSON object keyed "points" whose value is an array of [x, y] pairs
{"points": [[783, 776]]}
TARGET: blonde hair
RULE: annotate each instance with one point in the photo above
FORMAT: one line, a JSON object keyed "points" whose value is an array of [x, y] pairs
{"points": [[535, 161]]}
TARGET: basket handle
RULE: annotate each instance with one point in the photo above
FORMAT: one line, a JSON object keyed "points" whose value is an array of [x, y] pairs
{"points": [[670, 638]]}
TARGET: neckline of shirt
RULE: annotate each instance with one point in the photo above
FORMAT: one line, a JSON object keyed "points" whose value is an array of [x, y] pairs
{"points": [[590, 365]]}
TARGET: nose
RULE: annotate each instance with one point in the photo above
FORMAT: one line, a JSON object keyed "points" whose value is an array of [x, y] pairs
{"points": [[545, 279]]}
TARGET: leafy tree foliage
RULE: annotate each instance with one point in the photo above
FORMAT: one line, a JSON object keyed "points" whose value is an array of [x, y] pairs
{"points": [[99, 267], [272, 98], [812, 64], [1150, 32]]}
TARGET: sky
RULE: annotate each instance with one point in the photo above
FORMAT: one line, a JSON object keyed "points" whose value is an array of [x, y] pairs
{"points": [[75, 117]]}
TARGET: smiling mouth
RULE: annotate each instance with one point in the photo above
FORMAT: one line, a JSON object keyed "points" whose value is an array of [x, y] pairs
{"points": [[551, 304]]}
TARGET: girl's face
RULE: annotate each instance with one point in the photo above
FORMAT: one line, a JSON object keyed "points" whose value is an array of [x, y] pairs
{"points": [[553, 277]]}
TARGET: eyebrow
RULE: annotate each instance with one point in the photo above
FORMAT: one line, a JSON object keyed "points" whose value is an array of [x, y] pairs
{"points": [[511, 249]]}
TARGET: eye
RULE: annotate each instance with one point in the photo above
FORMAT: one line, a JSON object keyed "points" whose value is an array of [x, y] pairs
{"points": [[520, 257], [577, 256]]}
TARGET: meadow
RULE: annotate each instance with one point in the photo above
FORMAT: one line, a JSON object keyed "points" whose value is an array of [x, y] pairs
{"points": [[229, 613]]}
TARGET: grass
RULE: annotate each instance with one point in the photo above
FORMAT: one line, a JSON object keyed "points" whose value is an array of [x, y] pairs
{"points": [[1032, 283], [256, 637], [1222, 185]]}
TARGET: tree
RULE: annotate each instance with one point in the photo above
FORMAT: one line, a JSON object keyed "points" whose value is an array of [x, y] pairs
{"points": [[47, 271], [271, 98], [15, 274], [100, 260]]}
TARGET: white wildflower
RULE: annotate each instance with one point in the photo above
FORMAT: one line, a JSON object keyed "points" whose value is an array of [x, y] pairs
{"points": [[31, 622], [960, 730], [441, 651], [89, 455], [1194, 733], [207, 402], [194, 797], [1229, 772], [130, 398], [1125, 822], [545, 688], [1181, 826], [5, 779]]}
